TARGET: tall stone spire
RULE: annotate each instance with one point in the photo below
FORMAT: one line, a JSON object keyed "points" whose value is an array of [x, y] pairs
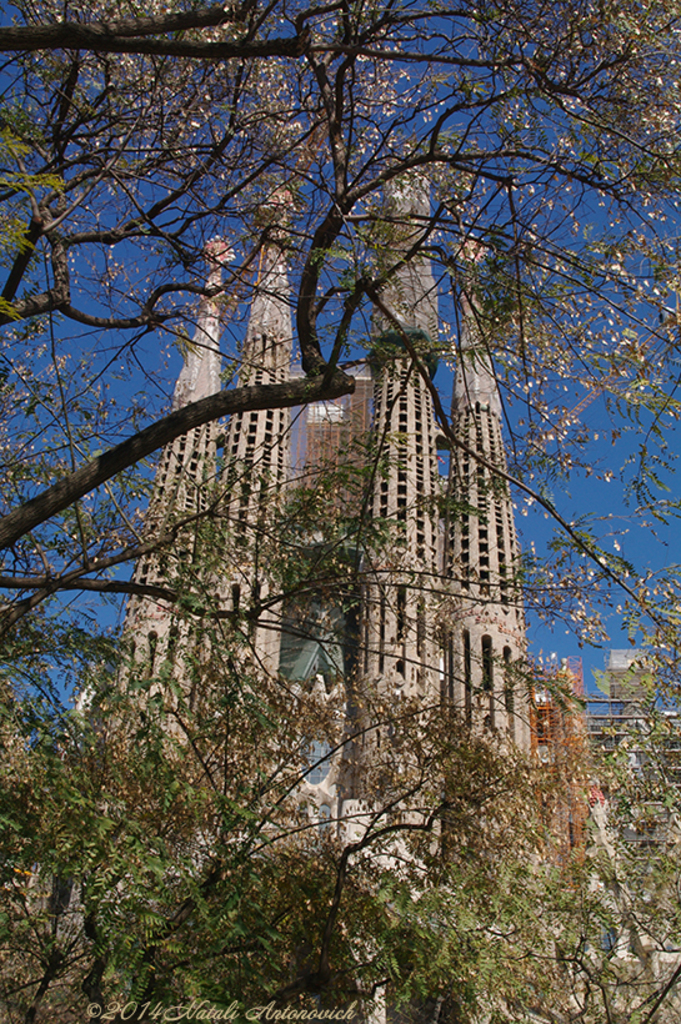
{"points": [[485, 634], [186, 465], [200, 374], [257, 448], [257, 455], [188, 460], [475, 382], [411, 294], [399, 632]]}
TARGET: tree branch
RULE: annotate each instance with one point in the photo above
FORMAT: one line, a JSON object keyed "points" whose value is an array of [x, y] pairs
{"points": [[131, 36], [93, 474]]}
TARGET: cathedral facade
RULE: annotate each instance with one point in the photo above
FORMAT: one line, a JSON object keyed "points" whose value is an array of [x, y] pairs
{"points": [[436, 615]]}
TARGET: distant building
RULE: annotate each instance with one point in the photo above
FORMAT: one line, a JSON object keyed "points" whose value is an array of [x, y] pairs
{"points": [[559, 741], [623, 719], [626, 692]]}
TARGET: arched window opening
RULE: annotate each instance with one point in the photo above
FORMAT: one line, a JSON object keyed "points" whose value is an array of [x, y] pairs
{"points": [[317, 757]]}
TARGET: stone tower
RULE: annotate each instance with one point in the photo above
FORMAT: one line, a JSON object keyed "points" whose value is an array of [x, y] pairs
{"points": [[399, 634], [257, 455], [257, 443], [185, 468], [484, 633]]}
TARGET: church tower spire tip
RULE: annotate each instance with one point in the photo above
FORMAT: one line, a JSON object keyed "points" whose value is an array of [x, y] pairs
{"points": [[200, 374]]}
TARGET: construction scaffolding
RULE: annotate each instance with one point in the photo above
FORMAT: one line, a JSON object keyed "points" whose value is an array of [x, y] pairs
{"points": [[330, 439], [559, 742], [620, 712], [326, 431]]}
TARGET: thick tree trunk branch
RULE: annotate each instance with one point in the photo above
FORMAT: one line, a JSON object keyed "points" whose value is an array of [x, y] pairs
{"points": [[217, 14], [93, 474], [132, 36]]}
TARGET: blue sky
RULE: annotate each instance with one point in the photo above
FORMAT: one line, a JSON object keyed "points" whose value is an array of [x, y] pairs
{"points": [[640, 539]]}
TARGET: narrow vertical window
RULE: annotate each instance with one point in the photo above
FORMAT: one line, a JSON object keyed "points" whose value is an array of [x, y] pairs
{"points": [[153, 644], [401, 612], [381, 635], [467, 676], [509, 694], [487, 669], [421, 633], [488, 675], [173, 634]]}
